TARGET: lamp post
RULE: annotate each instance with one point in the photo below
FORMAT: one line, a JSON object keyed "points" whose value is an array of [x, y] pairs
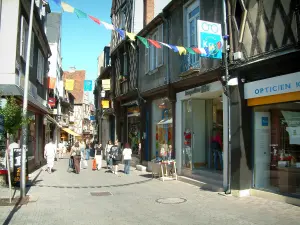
{"points": [[25, 104], [102, 93]]}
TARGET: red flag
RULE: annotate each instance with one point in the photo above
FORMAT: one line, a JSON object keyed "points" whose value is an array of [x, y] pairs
{"points": [[197, 50], [95, 19], [155, 43]]}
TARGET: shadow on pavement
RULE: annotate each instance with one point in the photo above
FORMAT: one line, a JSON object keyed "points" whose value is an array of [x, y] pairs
{"points": [[146, 175]]}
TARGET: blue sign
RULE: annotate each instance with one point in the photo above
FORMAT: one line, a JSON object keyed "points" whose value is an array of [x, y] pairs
{"points": [[88, 85], [212, 44], [265, 121], [92, 117]]}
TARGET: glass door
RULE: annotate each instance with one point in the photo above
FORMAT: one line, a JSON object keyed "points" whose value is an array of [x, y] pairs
{"points": [[187, 127]]}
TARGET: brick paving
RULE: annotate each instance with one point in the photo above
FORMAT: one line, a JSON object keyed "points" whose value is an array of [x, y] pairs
{"points": [[64, 198]]}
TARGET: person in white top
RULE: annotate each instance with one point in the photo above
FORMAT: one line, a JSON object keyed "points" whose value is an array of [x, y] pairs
{"points": [[49, 154], [107, 155], [11, 147], [60, 149], [127, 152]]}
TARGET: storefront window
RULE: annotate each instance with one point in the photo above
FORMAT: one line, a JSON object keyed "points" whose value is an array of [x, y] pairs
{"points": [[133, 114], [277, 147]]}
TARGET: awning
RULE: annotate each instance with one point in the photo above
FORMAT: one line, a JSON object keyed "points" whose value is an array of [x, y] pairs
{"points": [[69, 131]]}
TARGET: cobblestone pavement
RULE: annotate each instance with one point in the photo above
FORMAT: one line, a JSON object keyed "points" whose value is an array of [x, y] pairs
{"points": [[65, 198]]}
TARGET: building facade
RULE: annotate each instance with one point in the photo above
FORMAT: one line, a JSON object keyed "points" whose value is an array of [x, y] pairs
{"points": [[13, 44]]}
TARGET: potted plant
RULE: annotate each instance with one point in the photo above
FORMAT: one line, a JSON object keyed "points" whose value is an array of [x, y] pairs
{"points": [[120, 78]]}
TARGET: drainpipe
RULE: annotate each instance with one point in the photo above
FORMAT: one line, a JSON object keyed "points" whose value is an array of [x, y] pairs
{"points": [[228, 188], [230, 30]]}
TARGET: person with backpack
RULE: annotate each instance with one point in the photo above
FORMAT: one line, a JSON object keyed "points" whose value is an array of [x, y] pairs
{"points": [[76, 154], [116, 154]]}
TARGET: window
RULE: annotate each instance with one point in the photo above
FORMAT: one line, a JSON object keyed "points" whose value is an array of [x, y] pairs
{"points": [[125, 65], [192, 15], [153, 55], [122, 19], [40, 67], [24, 41]]}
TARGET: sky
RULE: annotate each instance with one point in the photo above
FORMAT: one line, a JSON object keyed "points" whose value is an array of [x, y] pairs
{"points": [[82, 39]]}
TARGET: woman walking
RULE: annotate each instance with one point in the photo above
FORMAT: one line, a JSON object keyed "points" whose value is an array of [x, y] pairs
{"points": [[76, 154], [116, 154], [127, 152], [107, 155], [98, 155]]}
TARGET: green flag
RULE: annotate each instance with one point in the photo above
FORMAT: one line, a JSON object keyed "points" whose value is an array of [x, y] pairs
{"points": [[80, 14], [144, 41], [191, 51]]}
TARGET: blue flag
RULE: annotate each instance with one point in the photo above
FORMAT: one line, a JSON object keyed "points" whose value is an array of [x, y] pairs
{"points": [[88, 85]]}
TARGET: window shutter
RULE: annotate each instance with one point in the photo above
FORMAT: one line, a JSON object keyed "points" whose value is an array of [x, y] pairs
{"points": [[31, 49], [22, 38], [146, 60], [160, 51]]}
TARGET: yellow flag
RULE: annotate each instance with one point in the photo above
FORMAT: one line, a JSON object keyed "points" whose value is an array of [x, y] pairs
{"points": [[67, 8], [181, 50], [69, 85], [131, 36]]}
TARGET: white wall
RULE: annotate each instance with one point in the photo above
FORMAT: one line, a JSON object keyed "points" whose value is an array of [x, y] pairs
{"points": [[53, 60], [138, 18], [8, 40]]}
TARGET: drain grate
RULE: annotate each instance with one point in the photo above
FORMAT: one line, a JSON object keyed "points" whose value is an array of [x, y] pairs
{"points": [[171, 200], [101, 193]]}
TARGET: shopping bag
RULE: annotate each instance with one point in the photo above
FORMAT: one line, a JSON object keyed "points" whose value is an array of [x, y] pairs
{"points": [[85, 164]]}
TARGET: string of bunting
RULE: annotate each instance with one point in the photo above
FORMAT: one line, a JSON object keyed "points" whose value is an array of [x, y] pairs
{"points": [[133, 37]]}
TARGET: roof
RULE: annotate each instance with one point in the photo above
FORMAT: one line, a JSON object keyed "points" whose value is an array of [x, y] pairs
{"points": [[78, 76]]}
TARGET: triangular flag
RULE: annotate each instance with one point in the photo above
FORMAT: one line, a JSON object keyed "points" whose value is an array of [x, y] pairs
{"points": [[108, 26], [80, 14], [181, 50], [164, 44], [121, 33], [144, 41], [175, 49], [191, 51], [95, 19], [197, 50], [69, 85], [131, 36], [88, 85], [155, 43], [66, 7], [203, 51], [206, 50], [58, 2]]}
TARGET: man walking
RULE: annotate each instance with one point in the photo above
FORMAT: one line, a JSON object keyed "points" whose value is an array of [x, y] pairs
{"points": [[49, 154]]}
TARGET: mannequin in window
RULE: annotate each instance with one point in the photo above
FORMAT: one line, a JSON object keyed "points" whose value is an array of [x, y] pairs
{"points": [[217, 148]]}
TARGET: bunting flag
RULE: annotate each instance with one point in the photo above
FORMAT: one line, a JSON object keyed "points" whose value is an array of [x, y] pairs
{"points": [[66, 7], [95, 19], [181, 50], [144, 41], [121, 33], [88, 85], [80, 14], [154, 43], [51, 82], [108, 26], [69, 85], [131, 36]]}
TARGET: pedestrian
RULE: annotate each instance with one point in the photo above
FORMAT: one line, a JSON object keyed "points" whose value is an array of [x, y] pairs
{"points": [[127, 152], [82, 150], [116, 155], [11, 147], [88, 151], [98, 155], [107, 155], [49, 154], [76, 154], [60, 149]]}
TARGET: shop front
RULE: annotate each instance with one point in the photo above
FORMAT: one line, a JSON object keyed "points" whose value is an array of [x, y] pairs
{"points": [[275, 106], [133, 130], [200, 130]]}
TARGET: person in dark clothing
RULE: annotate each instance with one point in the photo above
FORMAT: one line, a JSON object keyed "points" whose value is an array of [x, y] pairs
{"points": [[116, 154]]}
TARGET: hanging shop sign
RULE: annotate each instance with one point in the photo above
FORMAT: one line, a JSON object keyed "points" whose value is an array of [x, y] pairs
{"points": [[106, 84], [105, 104], [51, 101], [202, 89], [210, 39]]}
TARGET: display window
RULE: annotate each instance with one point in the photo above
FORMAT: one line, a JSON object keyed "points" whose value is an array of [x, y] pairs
{"points": [[277, 147]]}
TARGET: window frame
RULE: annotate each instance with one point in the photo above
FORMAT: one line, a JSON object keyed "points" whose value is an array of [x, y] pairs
{"points": [[40, 67]]}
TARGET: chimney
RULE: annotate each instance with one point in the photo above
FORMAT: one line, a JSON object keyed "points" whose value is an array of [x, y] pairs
{"points": [[148, 11], [72, 69]]}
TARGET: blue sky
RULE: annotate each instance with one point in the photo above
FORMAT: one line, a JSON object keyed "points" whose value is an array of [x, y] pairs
{"points": [[82, 39]]}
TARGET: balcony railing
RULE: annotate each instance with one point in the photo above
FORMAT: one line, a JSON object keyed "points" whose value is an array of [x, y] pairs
{"points": [[190, 62]]}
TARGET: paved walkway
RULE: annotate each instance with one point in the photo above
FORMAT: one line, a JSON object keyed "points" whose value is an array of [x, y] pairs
{"points": [[65, 198]]}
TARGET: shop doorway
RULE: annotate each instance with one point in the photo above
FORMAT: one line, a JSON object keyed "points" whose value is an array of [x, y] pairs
{"points": [[203, 133]]}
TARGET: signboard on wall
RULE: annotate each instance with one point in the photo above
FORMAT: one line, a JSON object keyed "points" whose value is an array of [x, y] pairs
{"points": [[105, 104], [51, 102], [210, 38], [17, 166], [106, 84]]}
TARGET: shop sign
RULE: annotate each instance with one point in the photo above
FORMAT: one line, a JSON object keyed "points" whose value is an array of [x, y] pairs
{"points": [[210, 38], [273, 86], [105, 104], [92, 118], [106, 84], [133, 110], [202, 89], [51, 101], [17, 154]]}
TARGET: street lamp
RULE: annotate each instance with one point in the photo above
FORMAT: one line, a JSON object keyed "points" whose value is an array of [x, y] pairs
{"points": [[25, 104], [102, 94]]}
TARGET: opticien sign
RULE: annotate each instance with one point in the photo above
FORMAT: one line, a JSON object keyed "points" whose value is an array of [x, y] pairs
{"points": [[273, 86]]}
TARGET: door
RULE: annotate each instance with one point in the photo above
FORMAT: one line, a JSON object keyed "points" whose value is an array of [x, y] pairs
{"points": [[187, 135], [262, 141]]}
